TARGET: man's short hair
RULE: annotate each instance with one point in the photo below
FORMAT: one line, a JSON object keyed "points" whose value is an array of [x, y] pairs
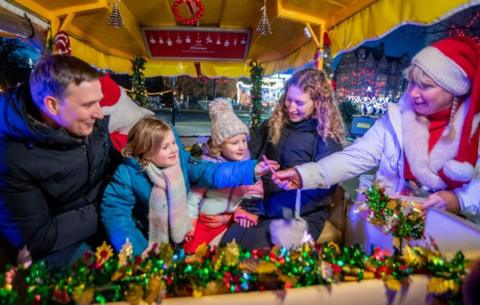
{"points": [[54, 73]]}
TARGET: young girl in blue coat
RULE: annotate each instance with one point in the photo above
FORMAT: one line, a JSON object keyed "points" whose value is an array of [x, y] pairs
{"points": [[146, 201], [214, 210]]}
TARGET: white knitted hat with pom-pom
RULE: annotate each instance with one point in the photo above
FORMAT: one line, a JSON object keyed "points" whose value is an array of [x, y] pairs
{"points": [[225, 123]]}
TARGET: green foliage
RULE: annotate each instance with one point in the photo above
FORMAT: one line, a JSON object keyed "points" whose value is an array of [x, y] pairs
{"points": [[256, 75], [348, 109], [139, 88]]}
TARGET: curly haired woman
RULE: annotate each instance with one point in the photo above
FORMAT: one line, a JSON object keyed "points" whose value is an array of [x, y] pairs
{"points": [[305, 126]]}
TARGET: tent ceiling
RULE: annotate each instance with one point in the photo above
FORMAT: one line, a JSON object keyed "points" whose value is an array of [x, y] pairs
{"points": [[86, 22]]}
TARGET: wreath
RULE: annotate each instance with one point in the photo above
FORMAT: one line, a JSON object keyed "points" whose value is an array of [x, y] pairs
{"points": [[197, 14]]}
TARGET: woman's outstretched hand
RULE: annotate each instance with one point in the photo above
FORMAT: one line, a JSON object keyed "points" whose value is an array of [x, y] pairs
{"points": [[288, 179], [266, 166], [445, 200]]}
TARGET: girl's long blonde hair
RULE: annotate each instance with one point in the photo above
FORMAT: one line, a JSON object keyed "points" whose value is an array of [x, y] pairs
{"points": [[145, 138], [316, 84]]}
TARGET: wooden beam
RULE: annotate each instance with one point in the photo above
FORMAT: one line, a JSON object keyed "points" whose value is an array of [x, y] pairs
{"points": [[66, 21], [302, 17], [314, 35], [101, 4]]}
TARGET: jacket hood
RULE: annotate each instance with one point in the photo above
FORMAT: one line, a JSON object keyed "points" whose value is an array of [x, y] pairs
{"points": [[19, 125]]}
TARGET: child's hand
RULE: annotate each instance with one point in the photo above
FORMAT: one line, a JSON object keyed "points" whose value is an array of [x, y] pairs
{"points": [[189, 235], [245, 218], [246, 223], [288, 179], [266, 166]]}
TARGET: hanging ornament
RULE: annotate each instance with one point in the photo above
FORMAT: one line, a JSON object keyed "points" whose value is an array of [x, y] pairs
{"points": [[62, 43], [196, 8], [264, 24], [115, 19]]}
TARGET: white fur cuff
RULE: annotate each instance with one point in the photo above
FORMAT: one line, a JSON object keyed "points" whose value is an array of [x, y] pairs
{"points": [[459, 171]]}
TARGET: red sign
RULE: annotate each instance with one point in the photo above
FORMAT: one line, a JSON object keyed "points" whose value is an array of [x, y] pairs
{"points": [[197, 43]]}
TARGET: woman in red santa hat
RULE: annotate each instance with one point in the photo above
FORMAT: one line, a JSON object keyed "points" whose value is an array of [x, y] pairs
{"points": [[427, 143]]}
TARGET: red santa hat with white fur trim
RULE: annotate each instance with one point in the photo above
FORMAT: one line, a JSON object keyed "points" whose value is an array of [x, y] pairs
{"points": [[123, 111], [454, 64]]}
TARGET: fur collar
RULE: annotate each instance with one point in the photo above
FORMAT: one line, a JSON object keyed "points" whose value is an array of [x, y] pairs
{"points": [[426, 166]]}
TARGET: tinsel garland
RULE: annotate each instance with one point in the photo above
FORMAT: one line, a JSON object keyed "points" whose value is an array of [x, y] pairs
{"points": [[139, 89], [256, 75], [392, 216], [103, 277]]}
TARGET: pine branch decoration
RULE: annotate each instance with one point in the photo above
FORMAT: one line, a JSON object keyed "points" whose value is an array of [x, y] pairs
{"points": [[139, 88]]}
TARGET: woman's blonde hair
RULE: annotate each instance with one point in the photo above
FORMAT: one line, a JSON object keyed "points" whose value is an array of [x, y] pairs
{"points": [[145, 138], [316, 84], [415, 74]]}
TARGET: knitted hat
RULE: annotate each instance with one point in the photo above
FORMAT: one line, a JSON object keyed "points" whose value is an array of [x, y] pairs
{"points": [[225, 123], [454, 64]]}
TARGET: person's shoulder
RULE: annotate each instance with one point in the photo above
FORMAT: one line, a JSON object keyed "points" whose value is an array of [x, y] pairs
{"points": [[19, 159], [131, 164]]}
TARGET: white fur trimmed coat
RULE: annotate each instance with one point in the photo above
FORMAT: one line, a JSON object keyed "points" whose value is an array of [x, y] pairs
{"points": [[384, 146]]}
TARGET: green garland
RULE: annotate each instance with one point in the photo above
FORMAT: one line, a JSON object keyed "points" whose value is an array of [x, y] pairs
{"points": [[256, 75], [139, 89], [103, 277]]}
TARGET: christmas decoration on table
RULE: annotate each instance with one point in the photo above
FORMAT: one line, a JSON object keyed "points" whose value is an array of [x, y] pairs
{"points": [[256, 75], [62, 43], [115, 19], [101, 277], [139, 89], [392, 216], [195, 7]]}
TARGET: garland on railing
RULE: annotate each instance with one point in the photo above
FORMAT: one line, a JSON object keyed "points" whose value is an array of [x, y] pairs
{"points": [[256, 75], [103, 277], [400, 219]]}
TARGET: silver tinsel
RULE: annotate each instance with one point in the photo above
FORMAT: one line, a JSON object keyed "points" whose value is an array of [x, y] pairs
{"points": [[264, 24], [115, 18]]}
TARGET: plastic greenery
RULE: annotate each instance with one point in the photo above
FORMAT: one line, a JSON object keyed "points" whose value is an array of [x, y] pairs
{"points": [[256, 75], [139, 89], [102, 277], [400, 219]]}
